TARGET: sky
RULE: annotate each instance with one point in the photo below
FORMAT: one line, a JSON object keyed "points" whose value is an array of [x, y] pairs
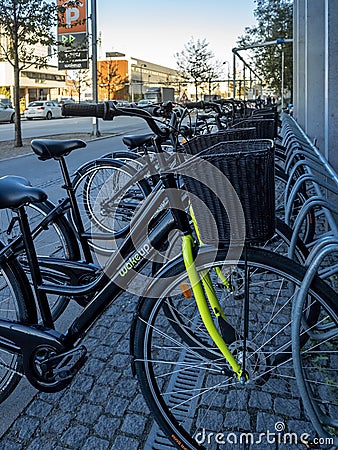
{"points": [[155, 30]]}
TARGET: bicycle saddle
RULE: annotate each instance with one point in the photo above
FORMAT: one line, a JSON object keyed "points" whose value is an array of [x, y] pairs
{"points": [[17, 191], [50, 148], [137, 140]]}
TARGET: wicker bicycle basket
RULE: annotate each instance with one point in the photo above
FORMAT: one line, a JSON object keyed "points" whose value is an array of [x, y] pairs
{"points": [[265, 128], [203, 141], [228, 180]]}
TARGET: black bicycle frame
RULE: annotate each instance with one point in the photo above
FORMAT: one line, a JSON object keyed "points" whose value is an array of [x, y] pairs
{"points": [[134, 253]]}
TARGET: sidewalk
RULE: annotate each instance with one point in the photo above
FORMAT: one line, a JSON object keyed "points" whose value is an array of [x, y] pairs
{"points": [[101, 409]]}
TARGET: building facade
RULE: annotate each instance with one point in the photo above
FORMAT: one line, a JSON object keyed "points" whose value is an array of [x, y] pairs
{"points": [[315, 73], [128, 78], [35, 84]]}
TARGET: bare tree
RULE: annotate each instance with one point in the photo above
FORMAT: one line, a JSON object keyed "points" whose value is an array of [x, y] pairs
{"points": [[109, 78], [195, 63], [23, 25], [81, 79], [213, 74]]}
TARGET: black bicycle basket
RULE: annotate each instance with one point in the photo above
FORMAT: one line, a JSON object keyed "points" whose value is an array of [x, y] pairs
{"points": [[239, 179], [265, 128], [203, 141]]}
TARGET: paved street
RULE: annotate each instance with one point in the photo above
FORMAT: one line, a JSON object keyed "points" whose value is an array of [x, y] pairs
{"points": [[40, 127]]}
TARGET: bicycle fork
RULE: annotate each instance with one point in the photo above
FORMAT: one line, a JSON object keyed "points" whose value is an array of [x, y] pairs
{"points": [[204, 292]]}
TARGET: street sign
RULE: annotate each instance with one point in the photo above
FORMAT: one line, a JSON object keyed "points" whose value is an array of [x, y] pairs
{"points": [[73, 51], [72, 16], [72, 35]]}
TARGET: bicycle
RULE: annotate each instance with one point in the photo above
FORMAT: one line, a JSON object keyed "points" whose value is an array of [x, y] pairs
{"points": [[51, 359], [90, 193], [99, 210], [55, 236], [110, 215]]}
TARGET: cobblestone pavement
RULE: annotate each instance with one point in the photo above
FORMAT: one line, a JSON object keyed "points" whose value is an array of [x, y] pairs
{"points": [[103, 408]]}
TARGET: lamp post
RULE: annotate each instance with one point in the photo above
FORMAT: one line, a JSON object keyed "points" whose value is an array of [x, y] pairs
{"points": [[228, 77], [141, 67], [280, 42], [95, 131]]}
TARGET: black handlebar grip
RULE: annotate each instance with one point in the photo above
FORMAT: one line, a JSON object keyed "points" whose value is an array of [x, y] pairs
{"points": [[192, 105], [84, 110]]}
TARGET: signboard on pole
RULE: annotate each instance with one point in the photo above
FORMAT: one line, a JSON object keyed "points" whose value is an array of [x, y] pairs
{"points": [[250, 94], [72, 35]]}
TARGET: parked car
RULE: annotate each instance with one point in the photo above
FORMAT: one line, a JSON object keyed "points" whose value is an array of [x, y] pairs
{"points": [[123, 103], [6, 102], [7, 114], [64, 100], [42, 109], [144, 102]]}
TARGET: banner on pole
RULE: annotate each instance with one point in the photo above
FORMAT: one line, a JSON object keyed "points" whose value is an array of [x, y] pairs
{"points": [[72, 35]]}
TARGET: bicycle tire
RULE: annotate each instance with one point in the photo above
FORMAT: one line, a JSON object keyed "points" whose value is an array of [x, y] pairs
{"points": [[183, 386], [93, 184], [56, 239], [315, 364], [16, 304]]}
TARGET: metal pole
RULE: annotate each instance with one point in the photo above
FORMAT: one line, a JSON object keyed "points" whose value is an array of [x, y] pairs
{"points": [[141, 82], [282, 93], [95, 131], [229, 95], [244, 83], [234, 76]]}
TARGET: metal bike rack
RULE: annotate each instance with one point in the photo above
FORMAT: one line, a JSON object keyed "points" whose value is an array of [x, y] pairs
{"points": [[317, 177]]}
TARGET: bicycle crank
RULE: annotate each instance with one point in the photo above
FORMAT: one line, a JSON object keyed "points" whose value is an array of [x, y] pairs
{"points": [[48, 365], [54, 371]]}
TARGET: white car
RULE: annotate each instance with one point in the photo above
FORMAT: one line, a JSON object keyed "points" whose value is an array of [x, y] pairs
{"points": [[144, 102], [7, 114], [42, 109]]}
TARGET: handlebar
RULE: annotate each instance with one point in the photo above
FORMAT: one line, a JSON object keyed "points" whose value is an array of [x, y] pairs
{"points": [[216, 105], [195, 105], [98, 110], [107, 111]]}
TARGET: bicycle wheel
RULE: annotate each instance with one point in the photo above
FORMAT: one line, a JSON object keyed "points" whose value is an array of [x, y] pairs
{"points": [[54, 239], [107, 197], [17, 306], [183, 376], [316, 364]]}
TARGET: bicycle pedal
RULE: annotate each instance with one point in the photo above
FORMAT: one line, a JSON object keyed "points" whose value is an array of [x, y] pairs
{"points": [[65, 365]]}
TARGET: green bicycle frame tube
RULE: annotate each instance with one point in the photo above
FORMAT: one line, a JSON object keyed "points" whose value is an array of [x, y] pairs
{"points": [[197, 287]]}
